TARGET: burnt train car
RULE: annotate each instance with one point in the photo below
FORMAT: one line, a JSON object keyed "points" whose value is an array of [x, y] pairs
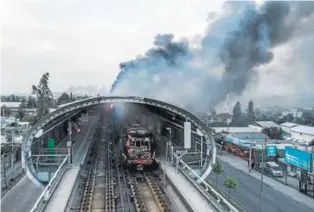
{"points": [[139, 148]]}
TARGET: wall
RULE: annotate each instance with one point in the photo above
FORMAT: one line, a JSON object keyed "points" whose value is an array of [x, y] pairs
{"points": [[286, 129], [257, 128], [302, 136]]}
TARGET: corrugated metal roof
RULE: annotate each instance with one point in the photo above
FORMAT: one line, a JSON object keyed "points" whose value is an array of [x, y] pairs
{"points": [[10, 104], [234, 129], [267, 124], [303, 129], [288, 124]]}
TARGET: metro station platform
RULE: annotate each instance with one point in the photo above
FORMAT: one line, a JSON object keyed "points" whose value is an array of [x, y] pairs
{"points": [[60, 197], [196, 201]]}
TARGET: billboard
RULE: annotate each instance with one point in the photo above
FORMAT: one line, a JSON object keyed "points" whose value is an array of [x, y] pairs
{"points": [[298, 158], [271, 150], [187, 135]]}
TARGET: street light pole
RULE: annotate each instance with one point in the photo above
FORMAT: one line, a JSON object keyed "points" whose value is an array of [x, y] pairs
{"points": [[69, 142], [12, 154], [169, 143], [250, 157], [201, 152]]}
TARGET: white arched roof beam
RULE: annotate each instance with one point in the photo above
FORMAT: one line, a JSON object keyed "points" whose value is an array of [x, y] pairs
{"points": [[27, 162]]}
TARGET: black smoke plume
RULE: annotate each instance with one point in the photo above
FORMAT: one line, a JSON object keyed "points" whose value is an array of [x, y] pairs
{"points": [[236, 45]]}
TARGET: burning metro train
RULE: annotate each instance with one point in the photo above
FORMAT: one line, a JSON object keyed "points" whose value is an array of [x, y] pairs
{"points": [[139, 148]]}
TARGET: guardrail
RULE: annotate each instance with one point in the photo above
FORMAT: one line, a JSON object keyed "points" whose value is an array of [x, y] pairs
{"points": [[225, 204], [50, 188]]}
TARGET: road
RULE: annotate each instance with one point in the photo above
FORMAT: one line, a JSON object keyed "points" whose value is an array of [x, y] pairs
{"points": [[248, 193], [24, 194], [21, 197]]}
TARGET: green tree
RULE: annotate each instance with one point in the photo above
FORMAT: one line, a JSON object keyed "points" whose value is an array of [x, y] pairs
{"points": [[250, 113], [237, 114], [231, 183], [21, 111], [44, 96], [63, 99], [5, 111], [71, 97], [273, 132], [31, 102], [218, 170]]}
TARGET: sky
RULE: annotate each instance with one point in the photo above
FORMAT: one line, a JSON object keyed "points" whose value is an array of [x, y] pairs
{"points": [[82, 42]]}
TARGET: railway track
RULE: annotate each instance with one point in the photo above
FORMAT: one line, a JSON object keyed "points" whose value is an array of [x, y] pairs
{"points": [[111, 187]]}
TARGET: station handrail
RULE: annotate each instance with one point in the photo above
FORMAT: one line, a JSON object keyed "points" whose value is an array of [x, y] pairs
{"points": [[50, 188], [208, 187]]}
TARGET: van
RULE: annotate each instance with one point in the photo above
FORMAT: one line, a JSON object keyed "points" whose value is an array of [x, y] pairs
{"points": [[274, 169]]}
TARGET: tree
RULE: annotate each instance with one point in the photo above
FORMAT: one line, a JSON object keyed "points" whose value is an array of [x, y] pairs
{"points": [[44, 96], [231, 183], [250, 113], [237, 114], [218, 170], [290, 117], [307, 118], [63, 99], [21, 111], [273, 132], [31, 102], [5, 111], [71, 97]]}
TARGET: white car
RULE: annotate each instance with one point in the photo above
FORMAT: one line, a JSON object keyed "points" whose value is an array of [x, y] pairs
{"points": [[292, 174]]}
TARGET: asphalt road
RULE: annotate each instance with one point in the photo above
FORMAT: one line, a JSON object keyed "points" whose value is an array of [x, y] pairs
{"points": [[24, 194], [24, 199], [248, 194]]}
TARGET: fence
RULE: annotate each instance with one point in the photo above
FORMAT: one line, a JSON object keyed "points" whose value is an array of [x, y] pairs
{"points": [[50, 188], [205, 189]]}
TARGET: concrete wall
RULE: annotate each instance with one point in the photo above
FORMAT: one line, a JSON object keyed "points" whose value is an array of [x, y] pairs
{"points": [[301, 136], [286, 129]]}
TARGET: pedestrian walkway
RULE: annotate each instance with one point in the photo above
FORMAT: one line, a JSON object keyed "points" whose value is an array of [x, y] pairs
{"points": [[196, 201], [242, 165], [61, 195]]}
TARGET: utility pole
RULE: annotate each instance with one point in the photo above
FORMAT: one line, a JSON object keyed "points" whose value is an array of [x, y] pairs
{"points": [[69, 142], [250, 157], [201, 152], [262, 176], [169, 143], [12, 154]]}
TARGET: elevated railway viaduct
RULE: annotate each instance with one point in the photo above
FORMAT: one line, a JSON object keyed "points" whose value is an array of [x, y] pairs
{"points": [[156, 114]]}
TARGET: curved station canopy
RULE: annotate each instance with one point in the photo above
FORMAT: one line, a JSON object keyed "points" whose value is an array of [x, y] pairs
{"points": [[69, 109]]}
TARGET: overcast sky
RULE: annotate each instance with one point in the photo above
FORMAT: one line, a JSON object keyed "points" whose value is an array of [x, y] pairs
{"points": [[82, 42]]}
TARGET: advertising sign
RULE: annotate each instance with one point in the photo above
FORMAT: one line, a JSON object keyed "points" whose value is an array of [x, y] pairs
{"points": [[187, 135], [298, 158], [271, 150]]}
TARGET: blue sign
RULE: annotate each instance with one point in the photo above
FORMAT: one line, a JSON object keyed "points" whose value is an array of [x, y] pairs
{"points": [[271, 150], [298, 158]]}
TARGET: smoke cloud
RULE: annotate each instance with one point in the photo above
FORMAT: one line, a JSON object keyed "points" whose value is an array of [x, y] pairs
{"points": [[232, 51]]}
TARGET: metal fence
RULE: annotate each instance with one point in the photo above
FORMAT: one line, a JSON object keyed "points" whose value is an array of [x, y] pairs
{"points": [[205, 189], [50, 188]]}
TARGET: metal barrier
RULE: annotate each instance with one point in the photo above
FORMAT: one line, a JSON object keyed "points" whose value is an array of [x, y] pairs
{"points": [[50, 188], [219, 198]]}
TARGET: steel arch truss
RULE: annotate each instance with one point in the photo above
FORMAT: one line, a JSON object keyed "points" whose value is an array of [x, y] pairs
{"points": [[27, 162]]}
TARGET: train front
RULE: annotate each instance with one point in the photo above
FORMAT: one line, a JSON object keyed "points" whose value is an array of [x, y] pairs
{"points": [[140, 149]]}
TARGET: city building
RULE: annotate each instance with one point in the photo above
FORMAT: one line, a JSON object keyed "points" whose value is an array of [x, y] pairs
{"points": [[233, 130], [287, 126], [259, 125], [14, 108], [301, 132], [294, 112], [224, 118]]}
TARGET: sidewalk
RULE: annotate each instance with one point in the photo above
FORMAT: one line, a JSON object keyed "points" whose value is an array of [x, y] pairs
{"points": [[294, 194]]}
